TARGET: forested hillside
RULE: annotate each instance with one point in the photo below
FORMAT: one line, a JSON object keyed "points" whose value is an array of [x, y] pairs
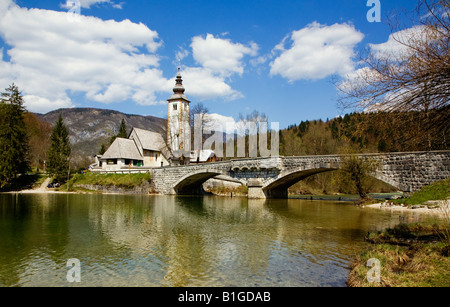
{"points": [[362, 132]]}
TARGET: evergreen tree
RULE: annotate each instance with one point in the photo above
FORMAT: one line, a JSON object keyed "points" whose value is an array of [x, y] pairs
{"points": [[59, 152], [122, 132], [13, 136], [102, 149]]}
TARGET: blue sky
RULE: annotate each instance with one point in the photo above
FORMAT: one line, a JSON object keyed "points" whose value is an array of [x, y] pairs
{"points": [[277, 57]]}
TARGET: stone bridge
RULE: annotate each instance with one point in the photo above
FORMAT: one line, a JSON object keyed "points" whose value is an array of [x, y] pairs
{"points": [[271, 177]]}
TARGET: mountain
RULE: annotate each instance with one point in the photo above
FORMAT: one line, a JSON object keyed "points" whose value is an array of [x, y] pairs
{"points": [[89, 128]]}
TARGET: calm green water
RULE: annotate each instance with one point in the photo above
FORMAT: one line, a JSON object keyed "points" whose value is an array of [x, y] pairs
{"points": [[125, 240]]}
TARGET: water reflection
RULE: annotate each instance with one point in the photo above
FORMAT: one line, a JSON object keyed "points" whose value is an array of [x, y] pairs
{"points": [[180, 241]]}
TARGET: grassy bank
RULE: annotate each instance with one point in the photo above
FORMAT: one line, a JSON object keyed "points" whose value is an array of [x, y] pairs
{"points": [[409, 255], [437, 191], [414, 255], [124, 181]]}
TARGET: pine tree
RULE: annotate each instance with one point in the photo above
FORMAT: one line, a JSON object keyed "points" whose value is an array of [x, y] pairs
{"points": [[122, 132], [59, 153], [102, 149], [13, 136]]}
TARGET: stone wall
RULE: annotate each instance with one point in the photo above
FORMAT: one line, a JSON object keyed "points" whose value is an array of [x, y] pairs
{"points": [[410, 172]]}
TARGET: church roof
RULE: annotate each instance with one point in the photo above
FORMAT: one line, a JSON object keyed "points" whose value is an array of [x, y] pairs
{"points": [[153, 141], [122, 149], [150, 140]]}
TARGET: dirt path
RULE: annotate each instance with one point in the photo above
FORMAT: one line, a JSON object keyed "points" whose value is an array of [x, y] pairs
{"points": [[44, 185], [42, 189]]}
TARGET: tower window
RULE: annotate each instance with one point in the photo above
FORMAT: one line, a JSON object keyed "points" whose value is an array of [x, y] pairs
{"points": [[175, 107]]}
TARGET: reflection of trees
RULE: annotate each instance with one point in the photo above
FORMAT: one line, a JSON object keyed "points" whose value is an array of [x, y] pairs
{"points": [[174, 241], [196, 238], [29, 228]]}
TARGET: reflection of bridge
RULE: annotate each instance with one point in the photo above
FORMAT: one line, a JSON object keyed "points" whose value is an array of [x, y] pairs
{"points": [[271, 177]]}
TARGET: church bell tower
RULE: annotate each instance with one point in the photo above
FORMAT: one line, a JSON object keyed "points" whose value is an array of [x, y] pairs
{"points": [[178, 118]]}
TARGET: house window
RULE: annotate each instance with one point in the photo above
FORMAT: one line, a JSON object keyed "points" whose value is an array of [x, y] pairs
{"points": [[112, 162], [175, 107]]}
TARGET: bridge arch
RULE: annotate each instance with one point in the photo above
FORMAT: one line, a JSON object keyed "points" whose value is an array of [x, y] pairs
{"points": [[192, 184], [278, 188]]}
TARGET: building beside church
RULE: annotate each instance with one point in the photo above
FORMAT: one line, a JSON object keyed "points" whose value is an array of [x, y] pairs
{"points": [[142, 149], [146, 149]]}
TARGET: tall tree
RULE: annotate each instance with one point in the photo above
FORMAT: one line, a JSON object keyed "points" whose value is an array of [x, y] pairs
{"points": [[59, 153], [102, 149], [122, 132], [39, 133], [357, 171], [13, 136]]}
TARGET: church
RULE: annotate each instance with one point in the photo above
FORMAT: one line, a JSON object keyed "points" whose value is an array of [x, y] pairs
{"points": [[146, 149]]}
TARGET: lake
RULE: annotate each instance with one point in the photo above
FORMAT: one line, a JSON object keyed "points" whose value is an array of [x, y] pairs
{"points": [[129, 240]]}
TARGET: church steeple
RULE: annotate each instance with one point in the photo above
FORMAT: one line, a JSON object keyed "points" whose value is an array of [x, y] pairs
{"points": [[179, 88], [178, 126]]}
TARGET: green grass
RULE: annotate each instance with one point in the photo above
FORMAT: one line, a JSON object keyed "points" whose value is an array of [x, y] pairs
{"points": [[437, 191], [410, 256], [128, 181]]}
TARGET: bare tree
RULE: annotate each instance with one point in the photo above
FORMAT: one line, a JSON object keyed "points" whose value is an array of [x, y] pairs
{"points": [[198, 109], [409, 73], [201, 111]]}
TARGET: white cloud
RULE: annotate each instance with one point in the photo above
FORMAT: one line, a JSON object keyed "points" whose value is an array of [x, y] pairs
{"points": [[396, 46], [219, 59], [395, 49], [317, 51], [204, 83], [108, 61], [44, 105], [221, 55], [181, 54]]}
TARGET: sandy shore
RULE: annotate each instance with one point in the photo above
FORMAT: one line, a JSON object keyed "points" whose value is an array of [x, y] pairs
{"points": [[442, 208], [42, 190]]}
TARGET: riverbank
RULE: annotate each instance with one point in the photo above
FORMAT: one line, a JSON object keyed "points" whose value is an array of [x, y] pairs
{"points": [[432, 199], [438, 208], [413, 255], [409, 255], [41, 189]]}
